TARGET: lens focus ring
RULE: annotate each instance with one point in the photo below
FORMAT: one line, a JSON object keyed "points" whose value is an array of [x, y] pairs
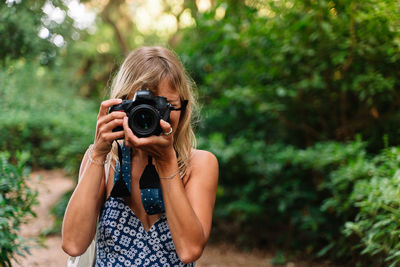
{"points": [[144, 120]]}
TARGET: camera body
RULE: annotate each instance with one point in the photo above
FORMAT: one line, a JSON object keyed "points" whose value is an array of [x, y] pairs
{"points": [[144, 113]]}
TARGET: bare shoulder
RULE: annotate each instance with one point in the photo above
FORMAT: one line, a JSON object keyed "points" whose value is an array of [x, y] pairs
{"points": [[203, 166], [203, 159]]}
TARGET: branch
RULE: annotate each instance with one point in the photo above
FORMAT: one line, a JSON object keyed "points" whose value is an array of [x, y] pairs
{"points": [[302, 126], [105, 15], [121, 42], [349, 59]]}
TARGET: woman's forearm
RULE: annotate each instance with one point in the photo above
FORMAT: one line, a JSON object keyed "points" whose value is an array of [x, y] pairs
{"points": [[186, 230], [83, 208], [81, 214]]}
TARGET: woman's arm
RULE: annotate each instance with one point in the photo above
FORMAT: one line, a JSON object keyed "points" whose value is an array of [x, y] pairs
{"points": [[188, 207], [79, 225], [80, 217]]}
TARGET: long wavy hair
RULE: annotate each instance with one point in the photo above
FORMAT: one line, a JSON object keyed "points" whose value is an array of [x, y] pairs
{"points": [[146, 67]]}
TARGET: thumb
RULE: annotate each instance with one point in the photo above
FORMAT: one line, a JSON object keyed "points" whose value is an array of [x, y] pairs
{"points": [[165, 126]]}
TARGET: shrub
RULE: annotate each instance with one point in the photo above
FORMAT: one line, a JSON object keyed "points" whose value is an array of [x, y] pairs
{"points": [[285, 86], [287, 191], [377, 223], [297, 72], [16, 200], [331, 199], [39, 113]]}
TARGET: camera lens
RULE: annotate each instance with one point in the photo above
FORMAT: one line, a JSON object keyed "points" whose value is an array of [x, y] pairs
{"points": [[144, 120]]}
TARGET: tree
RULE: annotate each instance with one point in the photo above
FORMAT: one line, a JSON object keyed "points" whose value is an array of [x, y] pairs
{"points": [[22, 23]]}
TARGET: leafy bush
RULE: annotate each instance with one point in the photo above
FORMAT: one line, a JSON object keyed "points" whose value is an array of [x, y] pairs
{"points": [[16, 200], [289, 191], [377, 223], [298, 72], [285, 85], [40, 114], [21, 22], [331, 199]]}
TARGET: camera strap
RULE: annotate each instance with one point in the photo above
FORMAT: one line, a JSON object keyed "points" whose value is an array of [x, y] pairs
{"points": [[149, 178], [122, 176], [149, 183], [150, 189]]}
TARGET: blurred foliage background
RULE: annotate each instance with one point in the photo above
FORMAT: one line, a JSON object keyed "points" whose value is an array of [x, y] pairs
{"points": [[299, 100]]}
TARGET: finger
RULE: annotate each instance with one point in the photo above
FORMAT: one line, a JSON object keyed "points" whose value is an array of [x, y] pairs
{"points": [[113, 135], [165, 126], [107, 138], [112, 125], [127, 143], [129, 136], [149, 142], [110, 117], [105, 105]]}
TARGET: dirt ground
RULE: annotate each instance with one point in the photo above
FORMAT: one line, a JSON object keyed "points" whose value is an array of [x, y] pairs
{"points": [[51, 186]]}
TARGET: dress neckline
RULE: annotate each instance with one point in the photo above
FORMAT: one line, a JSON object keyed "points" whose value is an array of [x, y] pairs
{"points": [[127, 207]]}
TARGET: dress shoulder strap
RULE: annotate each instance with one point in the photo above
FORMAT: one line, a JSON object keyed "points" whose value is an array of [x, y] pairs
{"points": [[107, 168]]}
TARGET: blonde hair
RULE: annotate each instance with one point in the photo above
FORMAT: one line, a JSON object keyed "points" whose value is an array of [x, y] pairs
{"points": [[146, 67]]}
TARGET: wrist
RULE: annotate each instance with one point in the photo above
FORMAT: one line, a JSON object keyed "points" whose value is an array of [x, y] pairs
{"points": [[96, 157], [167, 161]]}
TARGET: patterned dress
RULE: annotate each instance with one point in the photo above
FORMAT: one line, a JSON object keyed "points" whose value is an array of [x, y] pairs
{"points": [[123, 241]]}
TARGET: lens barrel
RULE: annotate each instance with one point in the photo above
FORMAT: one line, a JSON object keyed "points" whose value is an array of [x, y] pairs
{"points": [[144, 120]]}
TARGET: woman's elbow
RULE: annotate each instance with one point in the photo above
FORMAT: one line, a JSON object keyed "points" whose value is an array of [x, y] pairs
{"points": [[191, 254], [71, 249]]}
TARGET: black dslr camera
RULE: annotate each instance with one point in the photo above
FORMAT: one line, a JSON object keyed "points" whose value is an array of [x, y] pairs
{"points": [[144, 113]]}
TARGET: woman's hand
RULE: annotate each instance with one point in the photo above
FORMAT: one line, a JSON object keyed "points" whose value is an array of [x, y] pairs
{"points": [[159, 147], [105, 124]]}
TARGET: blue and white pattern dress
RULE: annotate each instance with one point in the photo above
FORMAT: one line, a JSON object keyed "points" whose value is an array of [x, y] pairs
{"points": [[123, 241], [121, 237]]}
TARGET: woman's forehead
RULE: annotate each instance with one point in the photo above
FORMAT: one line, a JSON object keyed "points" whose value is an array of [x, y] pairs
{"points": [[165, 89]]}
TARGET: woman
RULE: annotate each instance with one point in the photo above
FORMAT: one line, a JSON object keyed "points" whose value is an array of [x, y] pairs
{"points": [[128, 234]]}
